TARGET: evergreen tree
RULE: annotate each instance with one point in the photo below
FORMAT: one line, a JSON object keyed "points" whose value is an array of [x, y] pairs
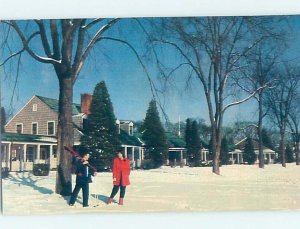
{"points": [[224, 152], [195, 145], [266, 139], [154, 136], [289, 154], [101, 137], [249, 153], [187, 135], [3, 119]]}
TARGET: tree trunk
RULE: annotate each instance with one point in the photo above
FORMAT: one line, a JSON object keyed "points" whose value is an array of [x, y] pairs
{"points": [[65, 137], [297, 149], [260, 143], [216, 152], [282, 148]]}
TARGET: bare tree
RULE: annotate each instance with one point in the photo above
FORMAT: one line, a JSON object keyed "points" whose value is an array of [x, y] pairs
{"points": [[259, 73], [279, 101], [213, 49], [66, 45], [294, 125]]}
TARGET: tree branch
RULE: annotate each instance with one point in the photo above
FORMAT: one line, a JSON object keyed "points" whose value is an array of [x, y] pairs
{"points": [[89, 25], [55, 39], [152, 86], [243, 100], [46, 60], [19, 52], [44, 38], [91, 45]]}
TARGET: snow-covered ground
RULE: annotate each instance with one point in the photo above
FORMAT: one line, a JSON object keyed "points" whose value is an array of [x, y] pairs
{"points": [[240, 187]]}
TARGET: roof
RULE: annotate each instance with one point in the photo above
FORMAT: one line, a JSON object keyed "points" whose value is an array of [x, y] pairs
{"points": [[53, 104], [127, 139], [14, 137], [175, 141], [241, 144], [125, 121]]}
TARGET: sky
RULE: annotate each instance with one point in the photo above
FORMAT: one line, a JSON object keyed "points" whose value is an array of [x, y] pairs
{"points": [[126, 81]]}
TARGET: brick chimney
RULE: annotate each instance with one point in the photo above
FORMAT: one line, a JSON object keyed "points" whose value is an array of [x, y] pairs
{"points": [[86, 100]]}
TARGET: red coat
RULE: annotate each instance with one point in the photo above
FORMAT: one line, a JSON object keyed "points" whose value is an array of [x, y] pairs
{"points": [[121, 167]]}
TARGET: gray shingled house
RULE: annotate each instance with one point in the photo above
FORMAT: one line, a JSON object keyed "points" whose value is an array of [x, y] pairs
{"points": [[30, 135]]}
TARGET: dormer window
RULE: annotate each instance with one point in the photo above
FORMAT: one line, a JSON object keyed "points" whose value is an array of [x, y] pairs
{"points": [[130, 130], [34, 107]]}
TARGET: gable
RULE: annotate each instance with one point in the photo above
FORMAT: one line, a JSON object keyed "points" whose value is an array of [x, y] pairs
{"points": [[53, 104], [26, 116]]}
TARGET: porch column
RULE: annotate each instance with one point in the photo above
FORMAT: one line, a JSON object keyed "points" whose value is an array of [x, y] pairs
{"points": [[142, 153], [9, 154], [51, 156], [140, 156], [238, 158], [38, 153], [125, 151], [25, 152], [181, 156], [205, 155], [3, 154], [132, 156], [24, 156], [51, 150]]}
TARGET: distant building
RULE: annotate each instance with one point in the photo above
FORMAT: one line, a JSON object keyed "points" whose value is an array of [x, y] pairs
{"points": [[177, 151], [237, 156]]}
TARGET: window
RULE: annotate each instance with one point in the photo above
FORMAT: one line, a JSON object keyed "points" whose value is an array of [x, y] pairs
{"points": [[34, 128], [30, 154], [34, 107], [51, 128], [44, 152], [19, 128], [14, 155], [130, 130]]}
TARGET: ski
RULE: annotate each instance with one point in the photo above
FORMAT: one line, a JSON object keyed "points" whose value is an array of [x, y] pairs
{"points": [[70, 149]]}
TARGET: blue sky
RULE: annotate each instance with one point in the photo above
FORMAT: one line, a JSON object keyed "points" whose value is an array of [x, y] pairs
{"points": [[126, 81]]}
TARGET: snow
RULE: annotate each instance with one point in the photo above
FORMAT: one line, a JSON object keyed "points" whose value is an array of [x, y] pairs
{"points": [[240, 187]]}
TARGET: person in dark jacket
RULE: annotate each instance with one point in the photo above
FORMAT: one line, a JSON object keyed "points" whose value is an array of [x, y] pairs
{"points": [[121, 172], [83, 178]]}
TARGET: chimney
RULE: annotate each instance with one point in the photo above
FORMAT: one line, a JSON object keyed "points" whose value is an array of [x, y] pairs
{"points": [[86, 100]]}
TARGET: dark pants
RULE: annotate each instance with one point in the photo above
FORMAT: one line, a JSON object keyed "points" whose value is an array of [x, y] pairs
{"points": [[85, 193], [116, 189]]}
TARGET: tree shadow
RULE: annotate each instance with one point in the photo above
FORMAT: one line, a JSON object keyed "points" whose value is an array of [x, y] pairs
{"points": [[78, 199], [30, 182], [102, 198]]}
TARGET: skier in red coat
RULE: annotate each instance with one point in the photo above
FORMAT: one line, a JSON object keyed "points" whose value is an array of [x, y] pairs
{"points": [[121, 172]]}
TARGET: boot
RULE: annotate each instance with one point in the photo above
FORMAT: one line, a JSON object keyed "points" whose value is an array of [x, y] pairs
{"points": [[109, 201], [121, 201]]}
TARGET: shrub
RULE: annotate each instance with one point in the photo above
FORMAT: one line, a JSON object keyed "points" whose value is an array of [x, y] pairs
{"points": [[41, 169], [147, 164]]}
